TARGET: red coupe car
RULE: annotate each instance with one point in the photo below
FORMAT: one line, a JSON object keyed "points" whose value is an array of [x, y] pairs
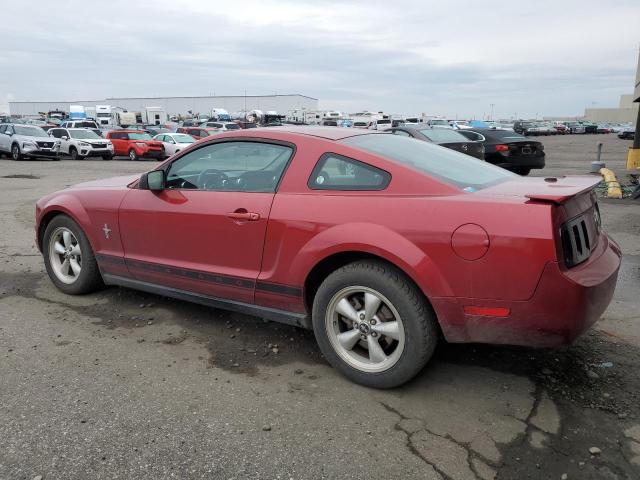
{"points": [[381, 244]]}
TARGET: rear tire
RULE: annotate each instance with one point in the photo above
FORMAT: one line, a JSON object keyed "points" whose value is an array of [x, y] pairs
{"points": [[373, 324], [64, 241], [133, 156]]}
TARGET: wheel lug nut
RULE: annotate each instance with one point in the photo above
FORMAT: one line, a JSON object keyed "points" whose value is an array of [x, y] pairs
{"points": [[374, 334], [373, 321], [362, 316]]}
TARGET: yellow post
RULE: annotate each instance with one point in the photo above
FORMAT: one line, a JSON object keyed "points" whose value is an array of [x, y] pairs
{"points": [[613, 187], [633, 159]]}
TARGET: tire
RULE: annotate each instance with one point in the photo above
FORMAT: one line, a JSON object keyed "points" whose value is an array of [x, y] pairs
{"points": [[416, 330], [133, 156], [73, 153], [88, 279], [15, 152], [523, 171]]}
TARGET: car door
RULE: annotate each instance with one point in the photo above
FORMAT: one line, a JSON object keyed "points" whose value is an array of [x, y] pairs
{"points": [[4, 139], [59, 133], [205, 231], [120, 143]]}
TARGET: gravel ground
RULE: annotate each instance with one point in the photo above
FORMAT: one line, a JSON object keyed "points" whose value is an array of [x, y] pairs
{"points": [[121, 384]]}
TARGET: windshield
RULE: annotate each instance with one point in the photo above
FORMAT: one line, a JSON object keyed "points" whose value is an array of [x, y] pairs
{"points": [[457, 169], [29, 131], [441, 135], [182, 138], [232, 126], [139, 136], [83, 134]]}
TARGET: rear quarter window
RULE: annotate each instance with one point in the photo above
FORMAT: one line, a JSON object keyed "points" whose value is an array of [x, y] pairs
{"points": [[336, 172]]}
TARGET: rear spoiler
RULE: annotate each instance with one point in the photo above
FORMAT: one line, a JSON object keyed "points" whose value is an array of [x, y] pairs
{"points": [[560, 189]]}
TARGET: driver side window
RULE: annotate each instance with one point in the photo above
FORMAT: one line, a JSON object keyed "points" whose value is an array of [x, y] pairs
{"points": [[231, 166]]}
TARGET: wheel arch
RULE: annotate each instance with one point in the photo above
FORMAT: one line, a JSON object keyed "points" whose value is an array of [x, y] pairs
{"points": [[72, 209]]}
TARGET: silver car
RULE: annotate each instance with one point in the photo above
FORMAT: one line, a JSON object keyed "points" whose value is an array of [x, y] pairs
{"points": [[27, 141]]}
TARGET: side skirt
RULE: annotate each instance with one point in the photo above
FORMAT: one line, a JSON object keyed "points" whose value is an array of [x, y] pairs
{"points": [[282, 316]]}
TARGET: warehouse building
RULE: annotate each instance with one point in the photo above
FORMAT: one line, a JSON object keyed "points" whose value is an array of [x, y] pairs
{"points": [[178, 105], [626, 111]]}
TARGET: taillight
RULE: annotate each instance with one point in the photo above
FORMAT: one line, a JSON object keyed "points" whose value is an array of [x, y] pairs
{"points": [[502, 148]]}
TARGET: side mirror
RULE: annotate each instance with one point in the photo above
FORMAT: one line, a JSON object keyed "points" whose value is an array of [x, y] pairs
{"points": [[153, 180]]}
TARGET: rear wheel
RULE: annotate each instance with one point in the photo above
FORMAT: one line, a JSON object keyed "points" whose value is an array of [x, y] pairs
{"points": [[373, 324], [69, 258], [133, 156]]}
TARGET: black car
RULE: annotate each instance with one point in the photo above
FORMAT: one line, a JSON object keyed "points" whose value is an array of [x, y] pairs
{"points": [[508, 149], [628, 133], [444, 137]]}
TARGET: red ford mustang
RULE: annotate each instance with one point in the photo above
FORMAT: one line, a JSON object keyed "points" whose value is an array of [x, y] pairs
{"points": [[379, 243]]}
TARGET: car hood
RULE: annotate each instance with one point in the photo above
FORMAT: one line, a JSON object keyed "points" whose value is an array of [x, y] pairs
{"points": [[552, 189], [109, 182], [38, 139]]}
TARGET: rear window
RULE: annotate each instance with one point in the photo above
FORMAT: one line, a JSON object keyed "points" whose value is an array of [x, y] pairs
{"points": [[502, 135], [448, 166], [443, 135], [232, 126]]}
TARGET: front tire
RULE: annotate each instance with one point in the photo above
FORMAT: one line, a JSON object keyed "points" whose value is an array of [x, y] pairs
{"points": [[73, 152], [15, 152], [69, 258], [133, 156], [373, 324]]}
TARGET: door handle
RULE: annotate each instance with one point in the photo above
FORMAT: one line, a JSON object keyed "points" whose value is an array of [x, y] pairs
{"points": [[244, 215]]}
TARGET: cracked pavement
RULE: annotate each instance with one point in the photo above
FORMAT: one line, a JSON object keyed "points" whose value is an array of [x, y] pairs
{"points": [[121, 384]]}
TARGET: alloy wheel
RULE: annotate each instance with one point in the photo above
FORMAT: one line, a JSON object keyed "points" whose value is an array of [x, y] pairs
{"points": [[365, 329], [65, 255]]}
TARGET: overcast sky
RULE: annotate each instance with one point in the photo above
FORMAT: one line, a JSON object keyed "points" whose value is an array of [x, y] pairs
{"points": [[437, 57]]}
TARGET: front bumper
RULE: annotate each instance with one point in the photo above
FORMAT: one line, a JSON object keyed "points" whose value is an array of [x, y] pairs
{"points": [[564, 305], [93, 152]]}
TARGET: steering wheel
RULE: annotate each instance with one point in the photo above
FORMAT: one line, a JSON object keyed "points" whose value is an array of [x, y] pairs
{"points": [[211, 178]]}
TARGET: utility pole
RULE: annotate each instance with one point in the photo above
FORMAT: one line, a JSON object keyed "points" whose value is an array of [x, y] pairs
{"points": [[492, 105]]}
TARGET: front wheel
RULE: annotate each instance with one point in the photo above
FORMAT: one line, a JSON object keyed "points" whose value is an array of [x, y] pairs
{"points": [[133, 156], [373, 324], [69, 258], [15, 152]]}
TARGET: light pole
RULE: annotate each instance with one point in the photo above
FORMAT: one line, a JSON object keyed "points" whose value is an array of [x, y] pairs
{"points": [[492, 105]]}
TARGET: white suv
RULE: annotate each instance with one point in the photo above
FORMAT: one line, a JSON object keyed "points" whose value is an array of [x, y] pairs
{"points": [[27, 141], [81, 143], [222, 126]]}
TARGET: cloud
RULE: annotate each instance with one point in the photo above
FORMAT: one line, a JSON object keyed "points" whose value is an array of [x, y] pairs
{"points": [[401, 57]]}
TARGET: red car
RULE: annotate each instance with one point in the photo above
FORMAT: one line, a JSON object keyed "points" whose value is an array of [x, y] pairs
{"points": [[379, 243], [135, 144], [199, 132]]}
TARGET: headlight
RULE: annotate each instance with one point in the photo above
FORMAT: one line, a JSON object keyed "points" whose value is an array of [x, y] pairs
{"points": [[140, 144], [110, 145], [29, 144], [84, 144]]}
